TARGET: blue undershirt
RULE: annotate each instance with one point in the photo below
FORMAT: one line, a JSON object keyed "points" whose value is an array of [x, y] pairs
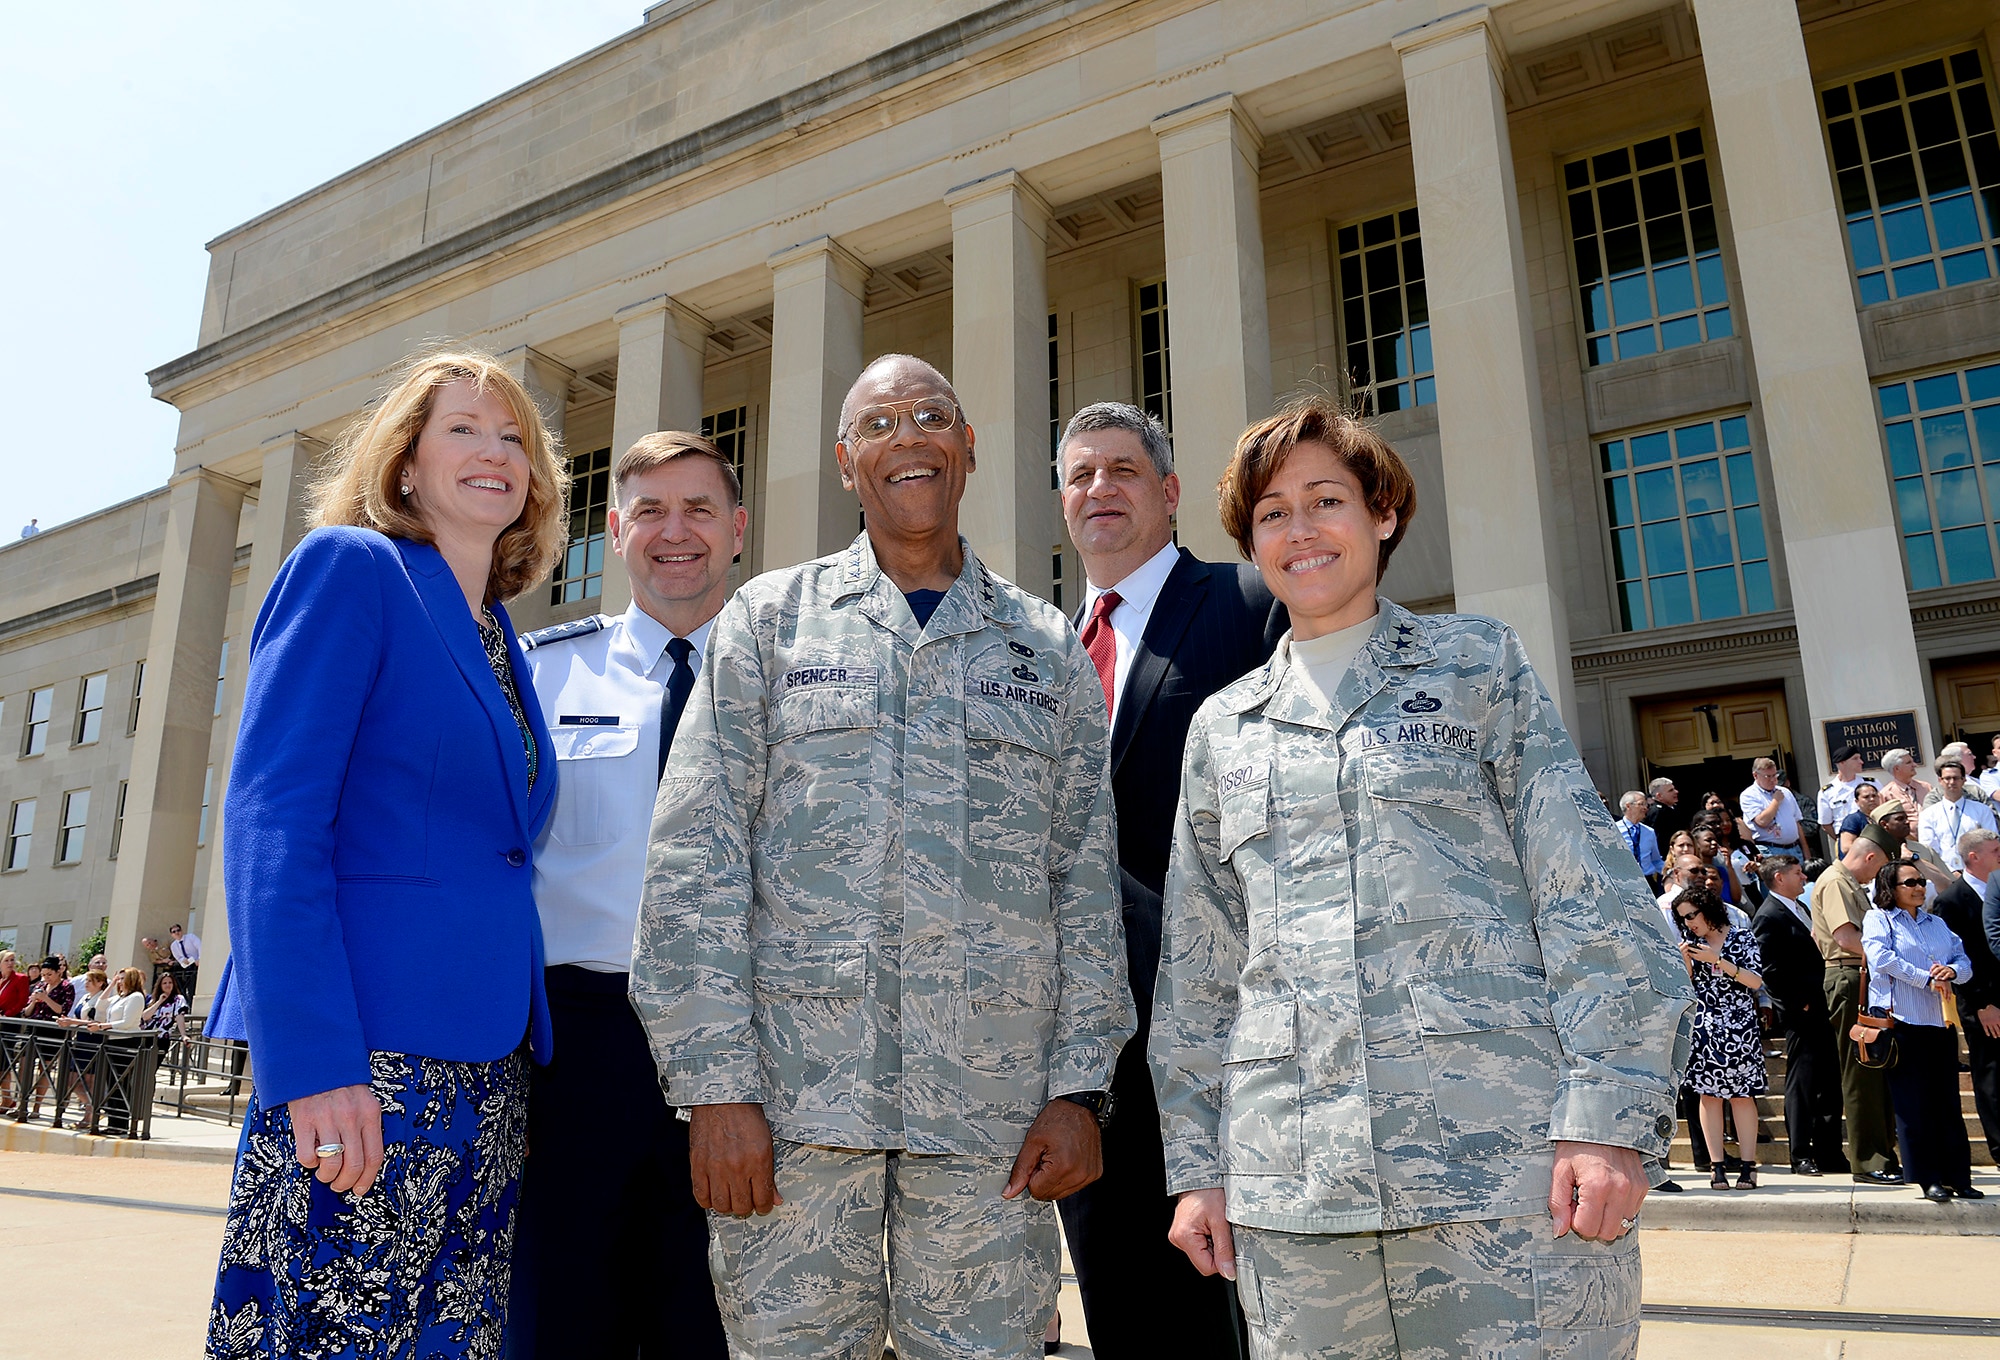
{"points": [[924, 603]]}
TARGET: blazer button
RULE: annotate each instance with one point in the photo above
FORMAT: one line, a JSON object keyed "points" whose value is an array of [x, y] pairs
{"points": [[516, 858]]}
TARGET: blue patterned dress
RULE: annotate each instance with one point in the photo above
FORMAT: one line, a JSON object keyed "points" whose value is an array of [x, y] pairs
{"points": [[419, 1266]]}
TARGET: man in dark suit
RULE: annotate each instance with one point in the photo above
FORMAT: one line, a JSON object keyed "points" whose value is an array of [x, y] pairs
{"points": [[1165, 630], [1963, 908], [1794, 976]]}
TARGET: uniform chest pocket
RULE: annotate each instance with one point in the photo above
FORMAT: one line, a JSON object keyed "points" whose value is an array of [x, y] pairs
{"points": [[595, 804], [821, 770], [1440, 844], [1490, 1046], [1243, 798], [1011, 754]]}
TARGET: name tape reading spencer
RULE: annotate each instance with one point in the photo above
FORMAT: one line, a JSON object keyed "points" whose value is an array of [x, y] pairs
{"points": [[1020, 694], [806, 676]]}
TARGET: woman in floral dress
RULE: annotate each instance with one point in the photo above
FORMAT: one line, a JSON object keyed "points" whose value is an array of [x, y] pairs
{"points": [[1727, 1059]]}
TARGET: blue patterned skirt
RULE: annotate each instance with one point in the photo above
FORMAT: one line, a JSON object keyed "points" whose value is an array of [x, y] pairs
{"points": [[419, 1267]]}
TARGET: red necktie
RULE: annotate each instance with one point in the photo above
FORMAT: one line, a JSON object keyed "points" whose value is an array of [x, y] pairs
{"points": [[1102, 645]]}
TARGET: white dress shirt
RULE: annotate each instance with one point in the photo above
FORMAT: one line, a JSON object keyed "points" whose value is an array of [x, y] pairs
{"points": [[187, 949], [600, 694], [1836, 800], [1137, 594], [1799, 912], [1941, 824]]}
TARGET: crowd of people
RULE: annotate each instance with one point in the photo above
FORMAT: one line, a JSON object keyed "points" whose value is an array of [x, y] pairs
{"points": [[846, 929], [95, 1002], [1863, 936]]}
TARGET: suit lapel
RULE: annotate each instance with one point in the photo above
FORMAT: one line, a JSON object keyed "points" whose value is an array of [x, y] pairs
{"points": [[1180, 595], [445, 604]]}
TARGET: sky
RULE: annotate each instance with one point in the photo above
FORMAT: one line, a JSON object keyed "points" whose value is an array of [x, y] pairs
{"points": [[133, 133]]}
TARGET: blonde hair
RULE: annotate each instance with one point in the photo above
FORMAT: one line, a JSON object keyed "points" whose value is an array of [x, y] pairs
{"points": [[370, 462], [96, 975], [133, 980]]}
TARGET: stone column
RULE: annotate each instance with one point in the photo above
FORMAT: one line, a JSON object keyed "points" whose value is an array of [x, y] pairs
{"points": [[815, 357], [1000, 351], [1843, 559], [279, 525], [662, 356], [1219, 362], [155, 879], [547, 382], [1504, 556]]}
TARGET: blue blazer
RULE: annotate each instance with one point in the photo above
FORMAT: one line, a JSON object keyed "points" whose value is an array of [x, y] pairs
{"points": [[380, 826]]}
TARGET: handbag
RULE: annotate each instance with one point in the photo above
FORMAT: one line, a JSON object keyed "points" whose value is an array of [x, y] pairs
{"points": [[1873, 1033]]}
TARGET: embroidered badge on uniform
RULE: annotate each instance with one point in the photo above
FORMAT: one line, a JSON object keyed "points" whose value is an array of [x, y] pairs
{"points": [[1421, 703]]}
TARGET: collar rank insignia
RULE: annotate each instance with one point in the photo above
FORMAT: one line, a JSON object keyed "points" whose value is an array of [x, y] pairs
{"points": [[1402, 640], [1421, 703], [1020, 649], [1025, 672]]}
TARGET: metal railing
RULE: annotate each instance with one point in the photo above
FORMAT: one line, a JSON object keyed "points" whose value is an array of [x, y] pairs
{"points": [[211, 1074], [110, 1075]]}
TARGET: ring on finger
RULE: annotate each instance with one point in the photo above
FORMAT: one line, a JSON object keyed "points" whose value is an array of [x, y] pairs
{"points": [[326, 1152], [1627, 1224]]}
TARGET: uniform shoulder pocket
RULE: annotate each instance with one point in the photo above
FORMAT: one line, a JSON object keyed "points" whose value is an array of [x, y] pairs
{"points": [[1243, 801]]}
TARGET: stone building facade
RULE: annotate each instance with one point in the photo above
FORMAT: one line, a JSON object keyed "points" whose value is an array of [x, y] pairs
{"points": [[1685, 315]]}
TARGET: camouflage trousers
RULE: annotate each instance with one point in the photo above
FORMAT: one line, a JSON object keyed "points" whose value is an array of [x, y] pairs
{"points": [[1490, 1289], [867, 1240]]}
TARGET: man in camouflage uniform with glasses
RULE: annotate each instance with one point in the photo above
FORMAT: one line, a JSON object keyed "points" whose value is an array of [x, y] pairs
{"points": [[880, 955]]}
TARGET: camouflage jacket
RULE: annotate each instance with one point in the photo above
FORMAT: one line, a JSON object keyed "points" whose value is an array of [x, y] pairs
{"points": [[880, 896], [1404, 948]]}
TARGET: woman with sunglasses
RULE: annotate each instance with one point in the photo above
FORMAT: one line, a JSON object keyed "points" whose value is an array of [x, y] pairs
{"points": [[1727, 1058], [1913, 960]]}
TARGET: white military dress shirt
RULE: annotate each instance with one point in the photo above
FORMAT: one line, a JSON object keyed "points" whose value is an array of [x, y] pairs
{"points": [[601, 694], [186, 950], [1137, 594]]}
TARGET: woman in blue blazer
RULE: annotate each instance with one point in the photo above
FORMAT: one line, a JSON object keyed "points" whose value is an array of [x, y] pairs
{"points": [[386, 961]]}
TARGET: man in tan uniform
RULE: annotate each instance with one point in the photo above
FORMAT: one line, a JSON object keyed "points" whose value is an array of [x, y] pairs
{"points": [[1839, 906]]}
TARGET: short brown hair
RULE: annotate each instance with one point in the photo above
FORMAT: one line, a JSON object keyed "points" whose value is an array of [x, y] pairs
{"points": [[1386, 485], [368, 463], [662, 447]]}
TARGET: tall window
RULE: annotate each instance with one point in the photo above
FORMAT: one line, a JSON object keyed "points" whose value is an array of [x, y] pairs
{"points": [[90, 708], [1385, 314], [582, 572], [1055, 575], [729, 430], [1918, 165], [1943, 434], [207, 796], [75, 817], [118, 820], [1687, 533], [56, 936], [1055, 413], [20, 834], [1648, 262], [221, 676], [1156, 378], [138, 691], [35, 735]]}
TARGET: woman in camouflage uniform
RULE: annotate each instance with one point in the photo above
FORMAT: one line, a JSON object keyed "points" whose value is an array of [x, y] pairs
{"points": [[1417, 1023]]}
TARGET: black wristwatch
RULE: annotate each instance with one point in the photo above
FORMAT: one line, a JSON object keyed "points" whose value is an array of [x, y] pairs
{"points": [[1099, 1104]]}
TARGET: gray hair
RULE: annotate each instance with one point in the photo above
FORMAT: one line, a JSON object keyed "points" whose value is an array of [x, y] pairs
{"points": [[1653, 789], [1626, 800], [1947, 758], [1975, 838], [1896, 756], [1118, 415]]}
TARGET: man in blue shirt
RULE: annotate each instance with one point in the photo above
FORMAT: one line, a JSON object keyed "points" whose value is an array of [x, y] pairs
{"points": [[1640, 839], [634, 1279]]}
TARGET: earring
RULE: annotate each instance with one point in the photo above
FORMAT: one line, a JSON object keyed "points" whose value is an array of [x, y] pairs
{"points": [[406, 491]]}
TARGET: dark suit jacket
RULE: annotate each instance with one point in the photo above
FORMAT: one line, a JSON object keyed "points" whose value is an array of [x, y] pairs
{"points": [[1965, 911], [1793, 968], [381, 827], [1213, 623]]}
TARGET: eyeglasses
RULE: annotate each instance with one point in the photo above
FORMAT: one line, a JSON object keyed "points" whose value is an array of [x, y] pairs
{"points": [[933, 415], [1688, 915], [1909, 883]]}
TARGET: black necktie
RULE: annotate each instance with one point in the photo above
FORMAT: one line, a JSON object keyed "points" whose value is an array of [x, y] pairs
{"points": [[675, 700]]}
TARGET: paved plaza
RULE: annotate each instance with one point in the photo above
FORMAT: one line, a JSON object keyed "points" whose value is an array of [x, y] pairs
{"points": [[1871, 1293]]}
